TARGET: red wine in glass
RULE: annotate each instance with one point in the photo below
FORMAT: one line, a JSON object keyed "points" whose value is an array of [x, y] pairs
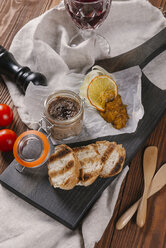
{"points": [[88, 14]]}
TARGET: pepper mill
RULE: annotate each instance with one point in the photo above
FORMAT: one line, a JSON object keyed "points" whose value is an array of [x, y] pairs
{"points": [[20, 75]]}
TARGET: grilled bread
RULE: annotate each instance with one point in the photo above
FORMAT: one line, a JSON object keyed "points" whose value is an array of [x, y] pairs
{"points": [[90, 162], [82, 165], [112, 157], [63, 168]]}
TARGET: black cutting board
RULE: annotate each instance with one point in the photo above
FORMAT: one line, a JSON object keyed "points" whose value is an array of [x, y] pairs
{"points": [[69, 207]]}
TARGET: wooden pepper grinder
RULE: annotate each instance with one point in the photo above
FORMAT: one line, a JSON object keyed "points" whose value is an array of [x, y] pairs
{"points": [[20, 75]]}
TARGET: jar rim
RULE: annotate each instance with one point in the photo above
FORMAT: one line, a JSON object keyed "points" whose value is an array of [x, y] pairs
{"points": [[43, 156], [64, 93]]}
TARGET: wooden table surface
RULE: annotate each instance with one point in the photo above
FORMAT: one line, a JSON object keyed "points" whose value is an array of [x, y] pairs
{"points": [[13, 15]]}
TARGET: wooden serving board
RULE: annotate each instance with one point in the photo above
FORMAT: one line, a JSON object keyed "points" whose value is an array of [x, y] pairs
{"points": [[69, 207]]}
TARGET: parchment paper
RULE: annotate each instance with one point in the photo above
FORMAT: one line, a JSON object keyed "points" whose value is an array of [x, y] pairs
{"points": [[129, 87]]}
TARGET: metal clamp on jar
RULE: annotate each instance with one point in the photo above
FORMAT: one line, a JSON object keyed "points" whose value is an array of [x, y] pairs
{"points": [[63, 117], [31, 149]]}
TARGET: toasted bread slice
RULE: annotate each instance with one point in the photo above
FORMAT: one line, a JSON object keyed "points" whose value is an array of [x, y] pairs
{"points": [[112, 157], [63, 168], [90, 162]]}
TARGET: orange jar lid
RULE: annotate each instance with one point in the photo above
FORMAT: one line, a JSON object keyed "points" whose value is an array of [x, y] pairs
{"points": [[31, 149]]}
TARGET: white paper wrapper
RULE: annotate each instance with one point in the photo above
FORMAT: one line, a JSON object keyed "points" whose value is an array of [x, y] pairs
{"points": [[129, 87]]}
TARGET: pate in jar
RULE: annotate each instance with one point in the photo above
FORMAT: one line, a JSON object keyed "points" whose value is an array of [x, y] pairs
{"points": [[63, 112]]}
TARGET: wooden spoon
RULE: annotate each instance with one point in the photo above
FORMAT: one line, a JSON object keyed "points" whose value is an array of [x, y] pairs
{"points": [[149, 166], [158, 182]]}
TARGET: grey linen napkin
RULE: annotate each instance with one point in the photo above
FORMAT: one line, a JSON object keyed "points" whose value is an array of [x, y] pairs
{"points": [[156, 71], [24, 226], [42, 44], [129, 24]]}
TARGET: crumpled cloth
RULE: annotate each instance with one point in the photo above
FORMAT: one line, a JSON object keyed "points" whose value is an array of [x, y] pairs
{"points": [[129, 24], [42, 44], [24, 226]]}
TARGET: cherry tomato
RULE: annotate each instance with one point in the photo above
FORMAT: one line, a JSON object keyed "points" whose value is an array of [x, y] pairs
{"points": [[7, 139], [6, 115]]}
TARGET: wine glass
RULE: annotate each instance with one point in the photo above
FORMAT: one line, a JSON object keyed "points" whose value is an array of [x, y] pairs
{"points": [[87, 15]]}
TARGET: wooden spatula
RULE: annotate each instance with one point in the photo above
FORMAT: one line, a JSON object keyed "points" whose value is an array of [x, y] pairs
{"points": [[158, 182], [149, 167]]}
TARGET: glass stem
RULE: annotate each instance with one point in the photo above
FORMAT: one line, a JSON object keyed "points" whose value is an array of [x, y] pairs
{"points": [[86, 34]]}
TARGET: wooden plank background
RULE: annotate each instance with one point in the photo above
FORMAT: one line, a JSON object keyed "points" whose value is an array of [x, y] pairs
{"points": [[13, 15], [161, 4]]}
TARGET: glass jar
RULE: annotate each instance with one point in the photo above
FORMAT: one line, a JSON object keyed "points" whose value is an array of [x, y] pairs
{"points": [[63, 114], [31, 149]]}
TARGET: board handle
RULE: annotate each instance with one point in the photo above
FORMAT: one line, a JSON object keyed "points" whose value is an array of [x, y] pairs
{"points": [[139, 56], [152, 56]]}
